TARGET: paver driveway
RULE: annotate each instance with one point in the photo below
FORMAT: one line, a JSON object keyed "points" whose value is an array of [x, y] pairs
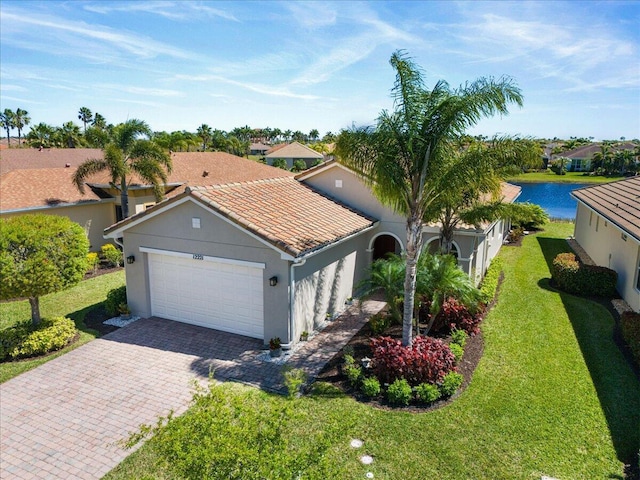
{"points": [[62, 419]]}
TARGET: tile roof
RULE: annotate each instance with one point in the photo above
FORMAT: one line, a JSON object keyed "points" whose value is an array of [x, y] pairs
{"points": [[294, 150], [40, 187], [286, 213], [618, 202], [587, 151], [27, 158]]}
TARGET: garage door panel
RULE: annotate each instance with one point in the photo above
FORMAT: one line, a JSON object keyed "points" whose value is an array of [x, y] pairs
{"points": [[223, 296]]}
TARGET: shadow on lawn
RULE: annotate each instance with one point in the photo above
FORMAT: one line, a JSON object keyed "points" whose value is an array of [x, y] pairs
{"points": [[616, 385]]}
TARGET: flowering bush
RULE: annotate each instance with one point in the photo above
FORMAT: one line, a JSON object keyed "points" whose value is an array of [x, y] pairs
{"points": [[453, 315], [426, 360]]}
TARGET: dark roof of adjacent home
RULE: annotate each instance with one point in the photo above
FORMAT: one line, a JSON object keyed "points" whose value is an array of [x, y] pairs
{"points": [[289, 215], [618, 202], [294, 150]]}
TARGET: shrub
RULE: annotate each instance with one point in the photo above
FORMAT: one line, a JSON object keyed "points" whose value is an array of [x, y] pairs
{"points": [[574, 277], [298, 166], [427, 393], [379, 323], [630, 325], [115, 298], [399, 392], [92, 262], [426, 360], [25, 340], [450, 383], [457, 351], [280, 163], [459, 337], [294, 380], [353, 374], [370, 387], [527, 216], [456, 316], [111, 255], [489, 285]]}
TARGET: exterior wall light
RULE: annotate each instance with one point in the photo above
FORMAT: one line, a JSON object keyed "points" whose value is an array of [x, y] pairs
{"points": [[131, 259], [273, 281]]}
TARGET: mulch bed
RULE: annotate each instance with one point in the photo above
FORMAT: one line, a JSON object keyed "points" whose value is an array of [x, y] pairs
{"points": [[95, 319]]}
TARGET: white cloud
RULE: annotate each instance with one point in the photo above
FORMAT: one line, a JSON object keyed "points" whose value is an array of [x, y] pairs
{"points": [[182, 10]]}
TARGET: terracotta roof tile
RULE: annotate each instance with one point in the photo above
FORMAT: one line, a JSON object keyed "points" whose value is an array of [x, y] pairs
{"points": [[285, 212], [618, 202]]}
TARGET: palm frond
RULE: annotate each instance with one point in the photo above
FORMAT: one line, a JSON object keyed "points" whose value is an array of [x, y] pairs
{"points": [[85, 170]]}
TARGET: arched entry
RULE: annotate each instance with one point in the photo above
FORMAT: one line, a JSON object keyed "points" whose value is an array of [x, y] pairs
{"points": [[384, 244], [433, 246]]}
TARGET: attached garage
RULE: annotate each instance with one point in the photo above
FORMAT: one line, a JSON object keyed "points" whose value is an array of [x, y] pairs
{"points": [[224, 294]]}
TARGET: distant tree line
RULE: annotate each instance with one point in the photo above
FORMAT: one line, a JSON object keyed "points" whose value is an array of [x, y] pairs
{"points": [[96, 132]]}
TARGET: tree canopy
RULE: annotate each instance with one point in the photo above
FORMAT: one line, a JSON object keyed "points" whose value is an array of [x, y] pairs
{"points": [[40, 254]]}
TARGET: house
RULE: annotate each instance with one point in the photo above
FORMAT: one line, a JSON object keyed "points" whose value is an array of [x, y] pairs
{"points": [[33, 180], [608, 228], [292, 152], [272, 257], [581, 157], [258, 149]]}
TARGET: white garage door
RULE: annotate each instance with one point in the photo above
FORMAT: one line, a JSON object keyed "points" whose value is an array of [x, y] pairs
{"points": [[209, 293]]}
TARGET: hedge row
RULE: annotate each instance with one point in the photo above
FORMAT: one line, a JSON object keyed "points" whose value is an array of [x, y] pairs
{"points": [[578, 278], [24, 340]]}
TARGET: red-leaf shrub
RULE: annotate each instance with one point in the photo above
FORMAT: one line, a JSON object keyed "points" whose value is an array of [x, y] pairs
{"points": [[453, 315], [427, 360]]}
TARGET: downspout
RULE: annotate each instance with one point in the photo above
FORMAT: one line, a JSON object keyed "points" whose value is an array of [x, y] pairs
{"points": [[292, 298]]}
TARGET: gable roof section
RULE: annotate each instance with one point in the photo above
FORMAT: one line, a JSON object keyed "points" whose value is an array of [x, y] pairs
{"points": [[284, 213], [40, 188], [587, 151], [30, 158], [295, 150], [618, 202]]}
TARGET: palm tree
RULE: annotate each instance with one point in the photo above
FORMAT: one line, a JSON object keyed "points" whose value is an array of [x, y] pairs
{"points": [[204, 132], [6, 121], [602, 158], [40, 135], [85, 116], [99, 121], [20, 120], [127, 154], [69, 135], [314, 135], [404, 158]]}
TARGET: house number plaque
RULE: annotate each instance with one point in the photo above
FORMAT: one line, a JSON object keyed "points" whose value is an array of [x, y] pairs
{"points": [[197, 256]]}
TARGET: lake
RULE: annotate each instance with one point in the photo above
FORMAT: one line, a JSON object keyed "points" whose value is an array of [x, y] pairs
{"points": [[554, 198]]}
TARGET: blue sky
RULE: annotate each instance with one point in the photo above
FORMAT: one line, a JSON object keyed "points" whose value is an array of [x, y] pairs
{"points": [[322, 65]]}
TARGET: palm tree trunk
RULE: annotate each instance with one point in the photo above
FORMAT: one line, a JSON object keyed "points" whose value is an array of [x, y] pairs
{"points": [[414, 246], [35, 310], [124, 198]]}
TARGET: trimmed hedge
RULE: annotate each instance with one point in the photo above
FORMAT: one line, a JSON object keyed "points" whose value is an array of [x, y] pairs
{"points": [[575, 277], [115, 298], [23, 340], [630, 326], [489, 285]]}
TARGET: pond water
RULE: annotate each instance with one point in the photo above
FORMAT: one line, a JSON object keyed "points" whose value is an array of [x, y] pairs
{"points": [[554, 198]]}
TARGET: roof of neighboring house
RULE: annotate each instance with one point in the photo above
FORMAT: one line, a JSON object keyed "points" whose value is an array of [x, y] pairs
{"points": [[27, 158], [290, 216], [587, 151], [259, 146], [618, 202], [294, 150], [40, 187]]}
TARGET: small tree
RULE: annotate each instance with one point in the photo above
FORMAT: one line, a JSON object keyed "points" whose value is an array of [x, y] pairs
{"points": [[40, 254]]}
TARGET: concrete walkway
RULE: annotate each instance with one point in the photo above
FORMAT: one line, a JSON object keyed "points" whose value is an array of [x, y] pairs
{"points": [[63, 419]]}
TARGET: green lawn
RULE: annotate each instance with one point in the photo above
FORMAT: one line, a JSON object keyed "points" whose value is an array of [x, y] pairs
{"points": [[551, 396], [570, 177], [73, 303]]}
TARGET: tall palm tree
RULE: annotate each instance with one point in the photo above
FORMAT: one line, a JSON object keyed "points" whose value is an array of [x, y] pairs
{"points": [[99, 121], [404, 157], [20, 120], [126, 154], [314, 135], [204, 132], [85, 115], [40, 135], [6, 121]]}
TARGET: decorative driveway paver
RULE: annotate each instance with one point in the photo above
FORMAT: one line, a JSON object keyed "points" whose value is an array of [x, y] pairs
{"points": [[62, 420]]}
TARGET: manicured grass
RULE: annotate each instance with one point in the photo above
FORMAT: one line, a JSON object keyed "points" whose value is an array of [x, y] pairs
{"points": [[552, 396], [73, 303], [570, 177]]}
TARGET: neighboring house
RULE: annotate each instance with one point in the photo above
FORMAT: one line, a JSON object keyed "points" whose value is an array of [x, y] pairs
{"points": [[33, 180], [582, 157], [273, 257], [608, 229], [295, 151], [258, 149]]}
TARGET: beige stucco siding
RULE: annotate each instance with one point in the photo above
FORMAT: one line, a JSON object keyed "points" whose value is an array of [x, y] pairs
{"points": [[604, 243], [173, 231], [93, 217]]}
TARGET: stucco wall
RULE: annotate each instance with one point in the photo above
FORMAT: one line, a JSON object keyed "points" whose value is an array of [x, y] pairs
{"points": [[603, 242], [93, 217], [173, 231]]}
